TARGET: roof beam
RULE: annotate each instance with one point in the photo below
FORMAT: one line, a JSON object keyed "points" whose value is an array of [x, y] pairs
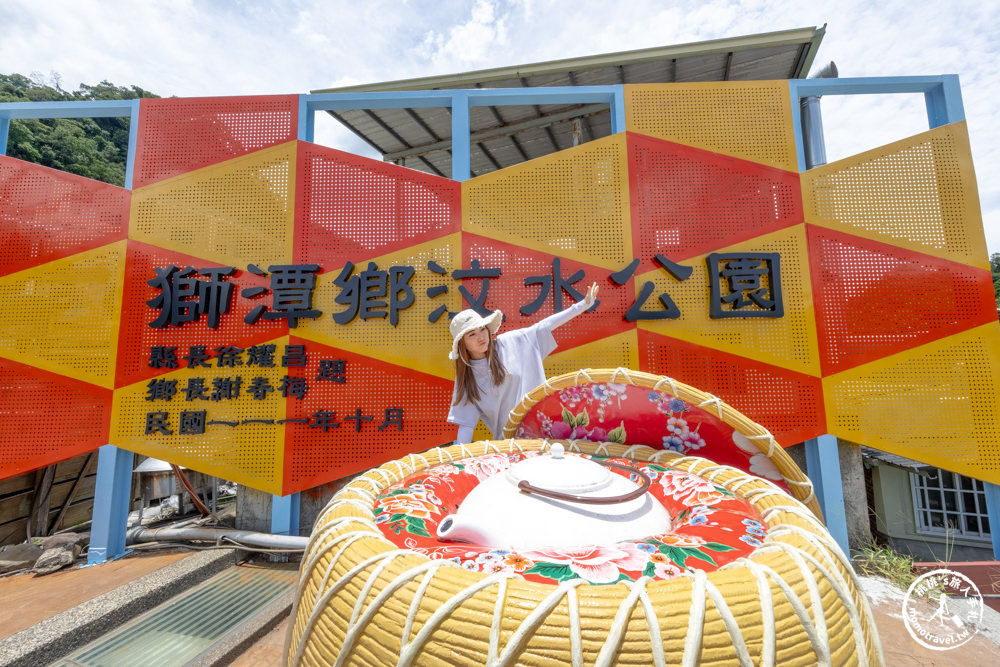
{"points": [[509, 130]]}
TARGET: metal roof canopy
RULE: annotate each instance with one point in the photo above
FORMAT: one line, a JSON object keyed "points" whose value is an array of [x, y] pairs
{"points": [[501, 136]]}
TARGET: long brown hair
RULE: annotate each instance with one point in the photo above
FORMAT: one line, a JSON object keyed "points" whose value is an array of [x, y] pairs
{"points": [[466, 387]]}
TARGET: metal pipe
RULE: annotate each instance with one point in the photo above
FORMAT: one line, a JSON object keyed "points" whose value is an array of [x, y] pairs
{"points": [[249, 538], [812, 121]]}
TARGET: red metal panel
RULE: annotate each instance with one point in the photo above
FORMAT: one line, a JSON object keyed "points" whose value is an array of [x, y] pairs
{"points": [[46, 214], [788, 404], [873, 300], [687, 201], [350, 208], [177, 135], [314, 457], [136, 336], [509, 292], [48, 418]]}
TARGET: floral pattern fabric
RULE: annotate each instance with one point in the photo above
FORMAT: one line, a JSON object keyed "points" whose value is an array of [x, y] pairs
{"points": [[630, 415], [710, 526]]}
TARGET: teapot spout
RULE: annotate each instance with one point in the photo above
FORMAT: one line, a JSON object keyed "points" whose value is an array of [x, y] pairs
{"points": [[458, 529]]}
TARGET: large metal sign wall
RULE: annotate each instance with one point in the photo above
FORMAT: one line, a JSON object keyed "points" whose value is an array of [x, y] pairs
{"points": [[275, 312]]}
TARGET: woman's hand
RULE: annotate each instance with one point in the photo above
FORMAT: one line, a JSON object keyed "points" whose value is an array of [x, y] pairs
{"points": [[591, 295]]}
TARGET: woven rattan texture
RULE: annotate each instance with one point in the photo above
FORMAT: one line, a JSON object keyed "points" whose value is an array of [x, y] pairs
{"points": [[313, 455], [63, 316], [874, 299], [48, 418], [936, 404], [687, 201], [138, 337], [788, 341], [746, 119], [179, 135], [415, 342], [245, 453], [47, 214], [364, 601], [349, 207], [789, 405], [235, 213], [510, 293], [573, 203], [919, 193]]}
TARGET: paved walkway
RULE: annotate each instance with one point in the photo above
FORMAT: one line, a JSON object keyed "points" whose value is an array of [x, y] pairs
{"points": [[26, 599]]}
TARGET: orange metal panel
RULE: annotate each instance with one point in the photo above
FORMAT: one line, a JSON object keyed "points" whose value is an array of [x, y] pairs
{"points": [[415, 342], [235, 213], [616, 351], [177, 135], [246, 453], [936, 403], [573, 203], [63, 316], [788, 341], [358, 434], [918, 193], [746, 119], [874, 299], [47, 214], [48, 418]]}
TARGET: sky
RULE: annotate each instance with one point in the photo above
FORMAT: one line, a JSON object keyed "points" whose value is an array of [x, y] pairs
{"points": [[187, 48]]}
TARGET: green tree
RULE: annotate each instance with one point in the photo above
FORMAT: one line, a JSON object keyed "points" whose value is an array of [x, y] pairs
{"points": [[93, 147]]}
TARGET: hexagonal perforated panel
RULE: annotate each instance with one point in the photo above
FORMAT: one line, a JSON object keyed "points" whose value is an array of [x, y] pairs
{"points": [[918, 193], [745, 119], [47, 214], [180, 135]]}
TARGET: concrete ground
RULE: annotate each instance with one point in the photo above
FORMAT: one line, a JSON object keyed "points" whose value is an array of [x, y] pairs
{"points": [[26, 600]]}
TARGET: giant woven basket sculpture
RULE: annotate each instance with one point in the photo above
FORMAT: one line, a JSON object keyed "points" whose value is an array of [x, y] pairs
{"points": [[635, 408], [364, 600]]}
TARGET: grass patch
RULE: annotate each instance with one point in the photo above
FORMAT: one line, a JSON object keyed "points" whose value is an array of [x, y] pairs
{"points": [[881, 561]]}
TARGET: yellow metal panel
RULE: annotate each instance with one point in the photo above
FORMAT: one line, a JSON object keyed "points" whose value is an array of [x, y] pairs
{"points": [[746, 119], [918, 193], [416, 342], [789, 341], [937, 404], [619, 351], [236, 213], [574, 203], [248, 454], [63, 316]]}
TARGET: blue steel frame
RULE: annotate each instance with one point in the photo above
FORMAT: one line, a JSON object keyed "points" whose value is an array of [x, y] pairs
{"points": [[942, 95], [943, 99], [96, 109], [460, 102], [944, 105]]}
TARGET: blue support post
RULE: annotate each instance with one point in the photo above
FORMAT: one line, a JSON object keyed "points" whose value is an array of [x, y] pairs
{"points": [[133, 133], [618, 110], [823, 468], [307, 120], [993, 510], [111, 504], [461, 142], [285, 514], [4, 133]]}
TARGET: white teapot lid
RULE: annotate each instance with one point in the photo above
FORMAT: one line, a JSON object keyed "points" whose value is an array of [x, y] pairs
{"points": [[566, 474]]}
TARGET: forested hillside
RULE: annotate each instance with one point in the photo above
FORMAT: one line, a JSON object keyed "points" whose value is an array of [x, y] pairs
{"points": [[91, 147]]}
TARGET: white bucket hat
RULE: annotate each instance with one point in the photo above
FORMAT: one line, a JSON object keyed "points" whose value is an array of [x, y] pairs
{"points": [[469, 320]]}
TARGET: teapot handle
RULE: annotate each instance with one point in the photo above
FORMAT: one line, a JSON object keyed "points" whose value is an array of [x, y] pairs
{"points": [[644, 484]]}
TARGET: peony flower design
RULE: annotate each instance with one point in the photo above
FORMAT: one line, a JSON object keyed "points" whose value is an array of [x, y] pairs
{"points": [[484, 467], [596, 564], [690, 489], [410, 505]]}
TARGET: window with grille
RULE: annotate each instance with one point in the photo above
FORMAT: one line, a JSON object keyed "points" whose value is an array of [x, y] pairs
{"points": [[946, 503]]}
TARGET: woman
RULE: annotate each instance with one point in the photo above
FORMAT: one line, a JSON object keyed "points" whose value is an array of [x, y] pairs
{"points": [[493, 375]]}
